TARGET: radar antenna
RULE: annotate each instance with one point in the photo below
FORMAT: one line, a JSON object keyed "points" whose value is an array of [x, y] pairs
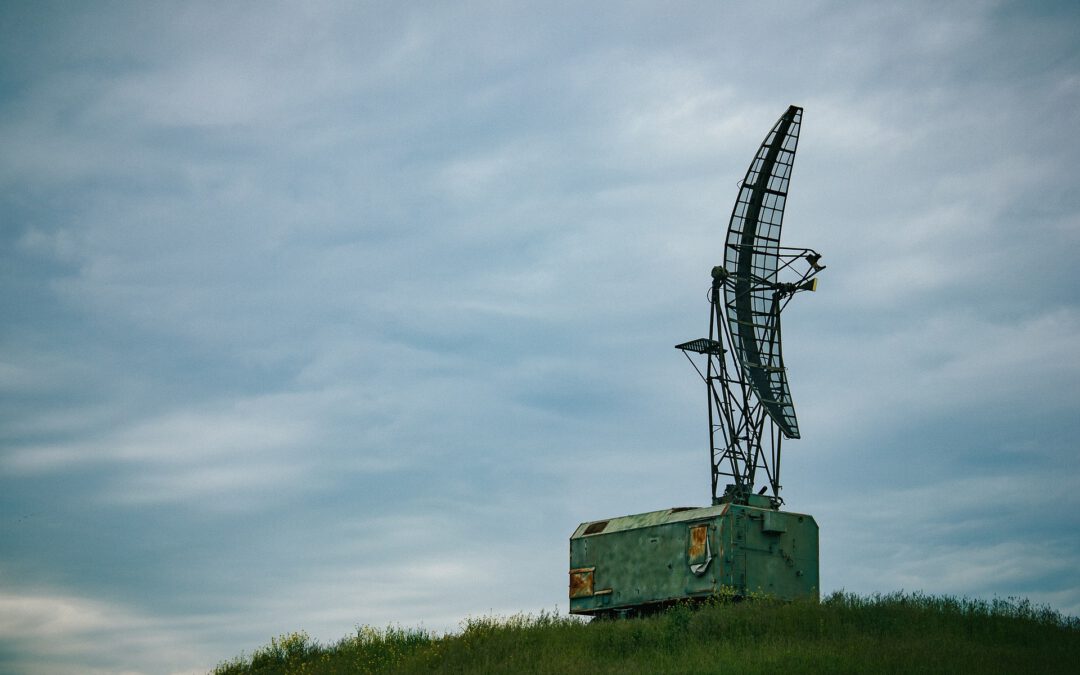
{"points": [[750, 406]]}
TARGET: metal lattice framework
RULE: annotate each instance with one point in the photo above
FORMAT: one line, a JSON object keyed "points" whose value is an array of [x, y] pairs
{"points": [[750, 405]]}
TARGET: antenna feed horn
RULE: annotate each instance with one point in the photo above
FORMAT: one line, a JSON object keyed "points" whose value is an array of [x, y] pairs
{"points": [[719, 275], [813, 259]]}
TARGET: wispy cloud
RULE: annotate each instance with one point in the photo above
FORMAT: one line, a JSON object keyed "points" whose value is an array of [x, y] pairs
{"points": [[56, 633]]}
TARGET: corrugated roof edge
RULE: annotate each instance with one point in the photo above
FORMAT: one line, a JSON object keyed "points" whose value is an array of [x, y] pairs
{"points": [[672, 515], [663, 517]]}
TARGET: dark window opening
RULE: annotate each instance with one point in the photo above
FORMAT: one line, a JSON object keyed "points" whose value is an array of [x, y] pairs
{"points": [[598, 526]]}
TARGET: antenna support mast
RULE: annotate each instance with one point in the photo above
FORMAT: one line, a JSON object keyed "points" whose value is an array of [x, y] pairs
{"points": [[749, 403]]}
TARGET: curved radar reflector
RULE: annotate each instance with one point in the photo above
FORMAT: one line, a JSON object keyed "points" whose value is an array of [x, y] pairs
{"points": [[752, 300]]}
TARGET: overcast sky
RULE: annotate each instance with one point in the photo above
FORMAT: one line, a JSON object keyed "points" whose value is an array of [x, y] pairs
{"points": [[324, 314]]}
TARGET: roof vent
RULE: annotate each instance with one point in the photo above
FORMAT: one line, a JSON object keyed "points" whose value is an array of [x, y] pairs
{"points": [[596, 527]]}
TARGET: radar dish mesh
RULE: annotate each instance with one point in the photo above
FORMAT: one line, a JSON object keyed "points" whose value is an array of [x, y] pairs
{"points": [[753, 301]]}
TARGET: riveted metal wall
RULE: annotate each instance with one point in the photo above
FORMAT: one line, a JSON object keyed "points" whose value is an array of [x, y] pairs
{"points": [[650, 559]]}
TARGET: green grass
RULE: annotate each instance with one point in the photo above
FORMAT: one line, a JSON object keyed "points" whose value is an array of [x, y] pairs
{"points": [[844, 633]]}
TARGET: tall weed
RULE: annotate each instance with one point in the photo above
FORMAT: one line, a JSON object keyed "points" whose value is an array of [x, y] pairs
{"points": [[843, 633]]}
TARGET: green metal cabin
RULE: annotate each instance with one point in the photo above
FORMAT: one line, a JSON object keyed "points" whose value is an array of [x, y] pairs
{"points": [[646, 561]]}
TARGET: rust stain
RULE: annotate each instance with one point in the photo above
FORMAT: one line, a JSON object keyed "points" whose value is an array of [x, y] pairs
{"points": [[698, 536], [581, 582]]}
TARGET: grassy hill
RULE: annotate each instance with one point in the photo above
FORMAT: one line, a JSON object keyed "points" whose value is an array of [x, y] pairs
{"points": [[844, 633]]}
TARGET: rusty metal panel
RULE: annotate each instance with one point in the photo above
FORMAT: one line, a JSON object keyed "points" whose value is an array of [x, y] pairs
{"points": [[699, 535], [581, 582]]}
